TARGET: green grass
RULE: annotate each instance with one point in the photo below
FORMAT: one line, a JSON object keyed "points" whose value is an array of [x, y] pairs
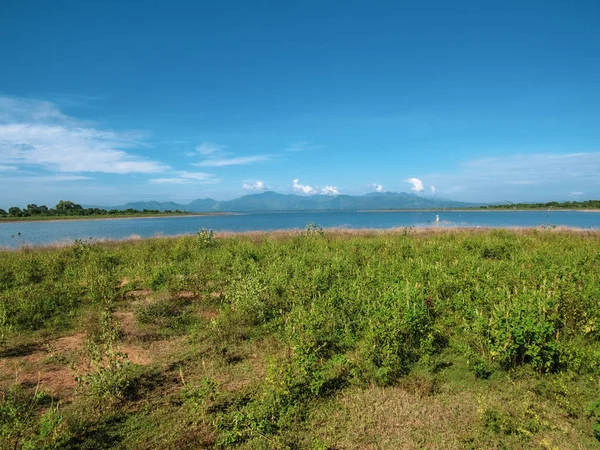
{"points": [[415, 339]]}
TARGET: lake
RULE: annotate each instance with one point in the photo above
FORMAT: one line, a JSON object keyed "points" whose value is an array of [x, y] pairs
{"points": [[46, 232]]}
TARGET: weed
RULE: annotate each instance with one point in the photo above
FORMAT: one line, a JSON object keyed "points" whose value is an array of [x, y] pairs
{"points": [[20, 422], [312, 229], [204, 238], [110, 371]]}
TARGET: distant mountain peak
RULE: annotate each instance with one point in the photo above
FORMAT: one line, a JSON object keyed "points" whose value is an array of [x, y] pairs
{"points": [[275, 201]]}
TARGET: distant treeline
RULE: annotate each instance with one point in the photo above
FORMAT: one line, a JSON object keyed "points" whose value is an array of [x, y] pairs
{"points": [[68, 208], [587, 204]]}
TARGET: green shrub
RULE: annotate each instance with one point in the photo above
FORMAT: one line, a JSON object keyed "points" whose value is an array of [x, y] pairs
{"points": [[204, 238], [392, 340], [110, 373], [523, 332]]}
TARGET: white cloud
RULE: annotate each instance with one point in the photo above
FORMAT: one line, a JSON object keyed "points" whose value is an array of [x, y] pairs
{"points": [[376, 187], [241, 160], [417, 184], [256, 186], [7, 168], [207, 148], [184, 177], [305, 189], [36, 133], [27, 110], [201, 176], [171, 180], [330, 190], [216, 156], [576, 193], [432, 187]]}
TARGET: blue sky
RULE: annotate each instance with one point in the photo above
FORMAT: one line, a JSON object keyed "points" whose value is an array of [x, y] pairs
{"points": [[107, 102]]}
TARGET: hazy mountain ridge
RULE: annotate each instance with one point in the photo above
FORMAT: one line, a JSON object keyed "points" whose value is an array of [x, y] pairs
{"points": [[273, 201]]}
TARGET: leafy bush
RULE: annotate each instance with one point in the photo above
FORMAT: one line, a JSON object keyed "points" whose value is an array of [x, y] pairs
{"points": [[519, 333]]}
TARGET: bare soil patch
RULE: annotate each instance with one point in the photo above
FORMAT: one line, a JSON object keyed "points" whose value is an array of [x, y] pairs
{"points": [[45, 365]]}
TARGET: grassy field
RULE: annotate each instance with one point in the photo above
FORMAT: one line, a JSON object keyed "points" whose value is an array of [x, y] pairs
{"points": [[337, 340]]}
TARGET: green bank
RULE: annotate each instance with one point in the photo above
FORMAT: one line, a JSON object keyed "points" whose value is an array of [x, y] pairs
{"points": [[411, 339]]}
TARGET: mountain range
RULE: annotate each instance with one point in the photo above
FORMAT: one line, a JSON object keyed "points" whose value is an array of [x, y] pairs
{"points": [[273, 201]]}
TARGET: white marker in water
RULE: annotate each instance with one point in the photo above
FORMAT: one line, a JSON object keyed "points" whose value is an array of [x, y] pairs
{"points": [[437, 219]]}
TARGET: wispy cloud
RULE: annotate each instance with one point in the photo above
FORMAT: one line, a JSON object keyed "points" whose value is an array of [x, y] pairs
{"points": [[432, 188], [14, 109], [208, 148], [522, 182], [7, 168], [330, 190], [183, 177], [216, 156], [169, 180], [303, 188], [525, 177], [35, 133], [200, 176], [304, 146], [376, 187], [540, 167], [236, 161], [43, 178], [576, 193], [417, 185], [256, 186]]}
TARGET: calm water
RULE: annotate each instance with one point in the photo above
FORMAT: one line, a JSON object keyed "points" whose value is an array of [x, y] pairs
{"points": [[48, 232]]}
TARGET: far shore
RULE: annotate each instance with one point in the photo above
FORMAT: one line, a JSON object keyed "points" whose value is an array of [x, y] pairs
{"points": [[115, 217], [233, 213], [478, 210]]}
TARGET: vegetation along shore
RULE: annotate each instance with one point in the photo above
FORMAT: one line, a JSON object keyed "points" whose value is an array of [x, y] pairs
{"points": [[447, 339], [65, 210]]}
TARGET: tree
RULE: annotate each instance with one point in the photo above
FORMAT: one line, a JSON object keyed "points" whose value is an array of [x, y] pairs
{"points": [[33, 209], [66, 205], [3, 213], [15, 211]]}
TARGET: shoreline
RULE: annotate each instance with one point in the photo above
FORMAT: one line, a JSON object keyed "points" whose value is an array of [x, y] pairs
{"points": [[342, 232], [160, 216], [477, 210], [240, 213]]}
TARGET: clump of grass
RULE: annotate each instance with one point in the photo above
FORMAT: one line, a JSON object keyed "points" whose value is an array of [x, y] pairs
{"points": [[167, 315], [22, 425]]}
